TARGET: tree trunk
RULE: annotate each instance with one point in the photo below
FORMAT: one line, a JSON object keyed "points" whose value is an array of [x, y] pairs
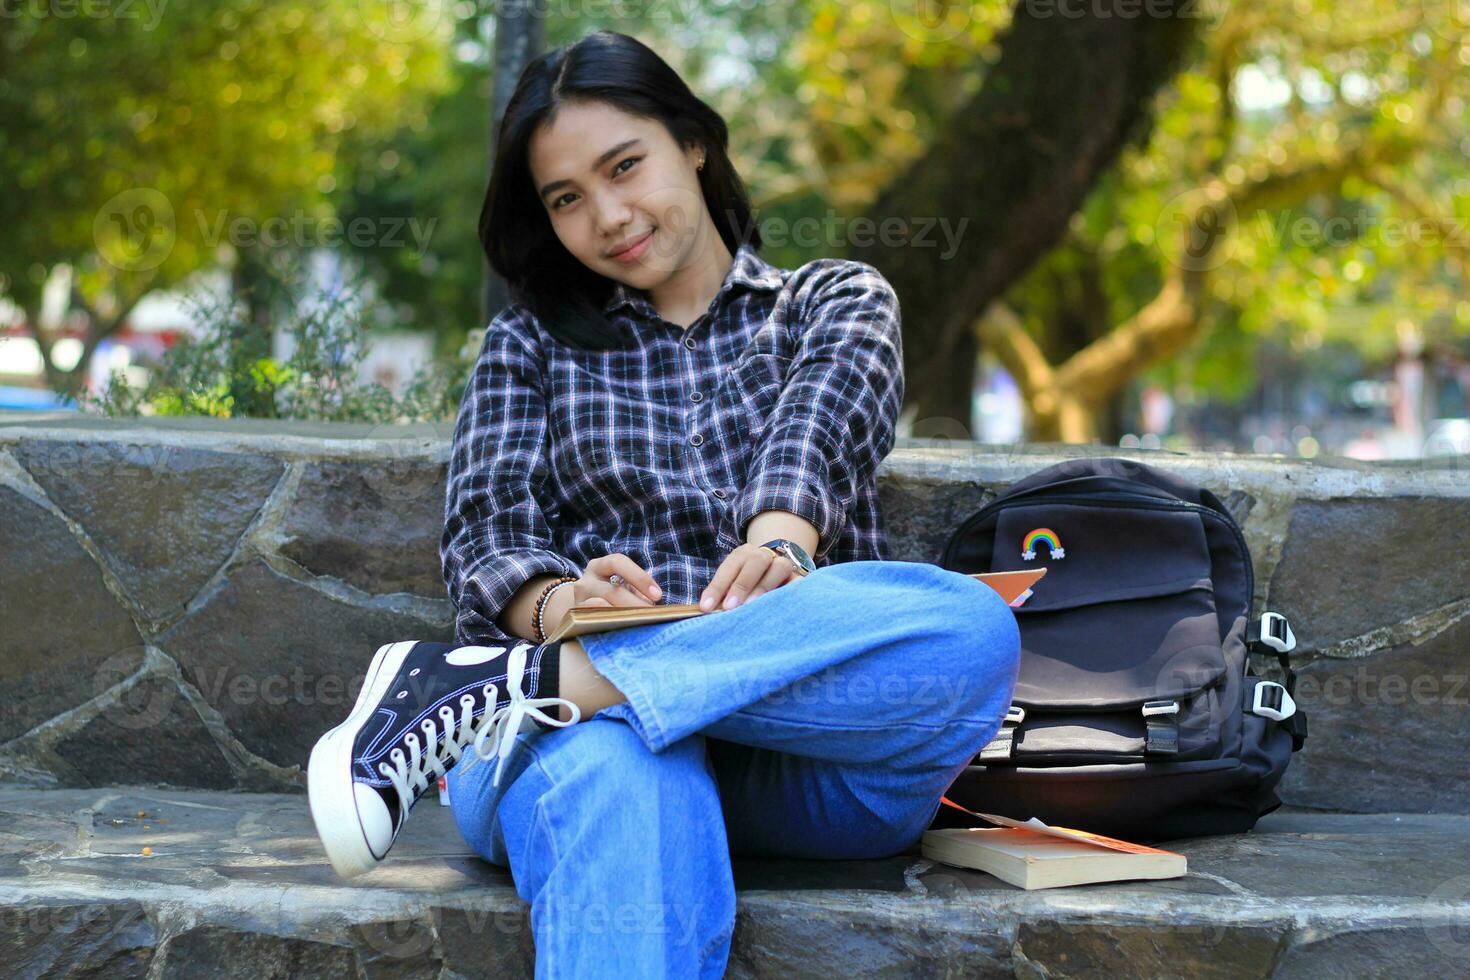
{"points": [[519, 37], [1007, 172], [250, 337], [943, 382], [70, 382]]}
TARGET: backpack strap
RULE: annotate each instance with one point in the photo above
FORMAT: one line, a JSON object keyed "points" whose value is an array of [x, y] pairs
{"points": [[1001, 748], [1161, 737]]}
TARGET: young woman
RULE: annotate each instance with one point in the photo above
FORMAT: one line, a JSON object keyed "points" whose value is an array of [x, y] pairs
{"points": [[662, 416]]}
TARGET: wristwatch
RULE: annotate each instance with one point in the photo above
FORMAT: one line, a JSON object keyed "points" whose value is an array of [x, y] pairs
{"points": [[794, 553]]}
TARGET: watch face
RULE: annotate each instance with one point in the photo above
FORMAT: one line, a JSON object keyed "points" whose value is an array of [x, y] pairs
{"points": [[803, 559], [793, 551]]}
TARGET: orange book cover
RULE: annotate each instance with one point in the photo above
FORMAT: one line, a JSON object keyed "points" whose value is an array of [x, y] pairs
{"points": [[1084, 836]]}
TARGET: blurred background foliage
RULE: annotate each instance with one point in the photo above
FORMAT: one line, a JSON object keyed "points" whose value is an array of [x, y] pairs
{"points": [[1295, 194], [129, 143]]}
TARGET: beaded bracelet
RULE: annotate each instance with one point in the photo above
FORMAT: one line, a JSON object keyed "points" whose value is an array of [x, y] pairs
{"points": [[536, 620]]}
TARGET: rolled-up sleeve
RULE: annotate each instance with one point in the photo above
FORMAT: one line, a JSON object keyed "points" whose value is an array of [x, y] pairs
{"points": [[836, 417], [496, 535]]}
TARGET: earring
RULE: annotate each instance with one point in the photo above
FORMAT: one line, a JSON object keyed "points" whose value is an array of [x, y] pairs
{"points": [[701, 164]]}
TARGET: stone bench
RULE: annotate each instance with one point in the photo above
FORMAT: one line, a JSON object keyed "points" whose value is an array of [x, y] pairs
{"points": [[186, 604], [233, 885]]}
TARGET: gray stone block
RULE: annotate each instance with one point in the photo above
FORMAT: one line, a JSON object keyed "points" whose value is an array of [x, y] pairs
{"points": [[282, 661], [1412, 949], [1349, 567], [374, 525], [108, 940], [1387, 730], [63, 637], [1068, 948], [227, 954], [150, 735], [166, 517], [400, 949], [468, 933]]}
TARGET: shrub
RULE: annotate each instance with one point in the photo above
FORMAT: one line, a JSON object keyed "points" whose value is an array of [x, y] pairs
{"points": [[227, 369]]}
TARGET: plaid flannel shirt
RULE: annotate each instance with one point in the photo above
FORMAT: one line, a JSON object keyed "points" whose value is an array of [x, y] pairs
{"points": [[783, 395]]}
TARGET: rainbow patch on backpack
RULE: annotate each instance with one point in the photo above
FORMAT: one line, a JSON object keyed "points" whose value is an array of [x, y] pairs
{"points": [[1046, 535]]}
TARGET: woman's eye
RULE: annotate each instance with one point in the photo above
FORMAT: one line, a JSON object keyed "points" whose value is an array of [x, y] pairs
{"points": [[618, 169]]}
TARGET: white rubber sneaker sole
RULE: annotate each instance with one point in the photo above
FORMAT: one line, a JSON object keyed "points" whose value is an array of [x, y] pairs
{"points": [[329, 784]]}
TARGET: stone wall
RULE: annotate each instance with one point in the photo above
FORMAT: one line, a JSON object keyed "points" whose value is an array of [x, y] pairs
{"points": [[191, 602]]}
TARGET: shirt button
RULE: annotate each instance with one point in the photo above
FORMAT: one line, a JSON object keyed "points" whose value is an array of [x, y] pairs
{"points": [[689, 342], [720, 494], [697, 396], [696, 439]]}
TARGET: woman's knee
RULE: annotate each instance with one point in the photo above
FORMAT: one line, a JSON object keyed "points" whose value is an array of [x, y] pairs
{"points": [[964, 634], [982, 631], [978, 609]]}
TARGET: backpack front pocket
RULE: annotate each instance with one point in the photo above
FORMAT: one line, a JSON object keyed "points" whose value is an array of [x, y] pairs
{"points": [[1115, 634], [1138, 649]]}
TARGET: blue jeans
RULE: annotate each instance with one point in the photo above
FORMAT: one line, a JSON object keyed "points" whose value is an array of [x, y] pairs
{"points": [[823, 719]]}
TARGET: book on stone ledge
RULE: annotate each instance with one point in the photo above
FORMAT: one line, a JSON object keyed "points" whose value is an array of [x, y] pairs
{"points": [[1034, 855], [1014, 588]]}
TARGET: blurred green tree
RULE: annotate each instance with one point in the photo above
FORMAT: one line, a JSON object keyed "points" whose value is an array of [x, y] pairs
{"points": [[138, 150], [1304, 182], [968, 133], [1149, 188]]}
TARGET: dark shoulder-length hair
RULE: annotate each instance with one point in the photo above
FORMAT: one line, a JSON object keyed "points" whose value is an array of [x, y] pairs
{"points": [[565, 296]]}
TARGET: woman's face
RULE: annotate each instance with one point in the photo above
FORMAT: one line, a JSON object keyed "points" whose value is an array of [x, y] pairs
{"points": [[609, 180]]}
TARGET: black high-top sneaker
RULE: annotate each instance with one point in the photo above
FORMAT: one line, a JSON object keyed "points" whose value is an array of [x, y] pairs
{"points": [[422, 704]]}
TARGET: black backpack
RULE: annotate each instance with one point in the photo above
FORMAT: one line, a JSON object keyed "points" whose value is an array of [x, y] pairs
{"points": [[1135, 713]]}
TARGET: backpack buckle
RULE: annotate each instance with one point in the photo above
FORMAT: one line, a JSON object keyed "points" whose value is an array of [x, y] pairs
{"points": [[1272, 634], [1001, 746], [1161, 728], [1273, 701], [1276, 633]]}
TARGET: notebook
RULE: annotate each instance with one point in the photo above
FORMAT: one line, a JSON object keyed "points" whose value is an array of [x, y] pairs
{"points": [[1013, 587]]}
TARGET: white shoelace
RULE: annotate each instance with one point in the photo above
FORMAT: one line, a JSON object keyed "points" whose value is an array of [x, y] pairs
{"points": [[494, 736]]}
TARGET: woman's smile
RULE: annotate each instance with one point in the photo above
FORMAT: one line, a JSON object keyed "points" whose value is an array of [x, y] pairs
{"points": [[634, 251]]}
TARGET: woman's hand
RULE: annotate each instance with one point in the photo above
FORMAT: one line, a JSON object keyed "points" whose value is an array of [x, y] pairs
{"points": [[746, 572], [597, 588]]}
